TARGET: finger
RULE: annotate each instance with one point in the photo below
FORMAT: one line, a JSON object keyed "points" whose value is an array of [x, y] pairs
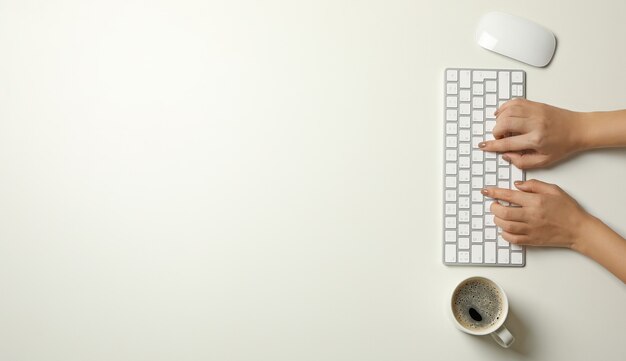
{"points": [[511, 103], [516, 238], [514, 110], [536, 186], [508, 195], [511, 226], [508, 144], [508, 213], [526, 160], [506, 125]]}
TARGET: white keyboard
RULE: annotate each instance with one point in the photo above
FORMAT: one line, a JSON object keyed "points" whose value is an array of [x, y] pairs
{"points": [[470, 235]]}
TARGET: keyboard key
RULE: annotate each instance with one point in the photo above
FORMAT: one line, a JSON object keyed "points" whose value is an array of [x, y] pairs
{"points": [[450, 253], [464, 149], [450, 195], [464, 175], [476, 141], [504, 85], [489, 125], [516, 258], [464, 229], [477, 196], [516, 174], [464, 135], [451, 75], [451, 88], [451, 142], [450, 182], [503, 256], [478, 116], [451, 115], [451, 155], [488, 74], [450, 222], [464, 122], [477, 236], [477, 253], [464, 257], [478, 102], [477, 209], [450, 236], [491, 87], [451, 128], [501, 241], [477, 89], [514, 90], [464, 243], [517, 77], [478, 129], [477, 183], [490, 252], [477, 223], [464, 80], [477, 169], [464, 162], [450, 168], [464, 109], [451, 102], [464, 95], [450, 209], [490, 99], [490, 233]]}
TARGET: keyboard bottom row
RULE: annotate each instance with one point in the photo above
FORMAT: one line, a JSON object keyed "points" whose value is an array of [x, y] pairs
{"points": [[482, 254]]}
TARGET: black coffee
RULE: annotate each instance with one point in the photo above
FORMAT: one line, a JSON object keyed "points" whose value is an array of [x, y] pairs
{"points": [[477, 304]]}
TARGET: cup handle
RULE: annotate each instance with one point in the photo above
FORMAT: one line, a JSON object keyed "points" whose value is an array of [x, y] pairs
{"points": [[503, 336]]}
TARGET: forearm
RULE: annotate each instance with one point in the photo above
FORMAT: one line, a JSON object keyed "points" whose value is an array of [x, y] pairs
{"points": [[602, 129], [600, 243]]}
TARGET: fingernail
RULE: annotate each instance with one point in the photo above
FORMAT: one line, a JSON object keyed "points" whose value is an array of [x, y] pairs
{"points": [[482, 144], [484, 191], [506, 157], [518, 183]]}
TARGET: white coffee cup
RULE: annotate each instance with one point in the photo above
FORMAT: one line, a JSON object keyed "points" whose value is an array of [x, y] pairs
{"points": [[496, 329]]}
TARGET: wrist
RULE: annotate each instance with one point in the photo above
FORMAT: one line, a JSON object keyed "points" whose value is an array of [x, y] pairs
{"points": [[583, 137], [589, 229]]}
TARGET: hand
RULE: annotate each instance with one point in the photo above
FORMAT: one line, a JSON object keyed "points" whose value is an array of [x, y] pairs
{"points": [[533, 135], [547, 217]]}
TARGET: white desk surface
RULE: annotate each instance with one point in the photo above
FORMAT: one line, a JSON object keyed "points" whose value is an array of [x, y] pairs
{"points": [[261, 180]]}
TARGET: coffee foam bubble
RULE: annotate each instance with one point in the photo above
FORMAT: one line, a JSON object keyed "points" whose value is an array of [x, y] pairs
{"points": [[483, 297]]}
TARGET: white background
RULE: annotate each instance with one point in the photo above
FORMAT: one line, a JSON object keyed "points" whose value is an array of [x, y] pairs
{"points": [[261, 180]]}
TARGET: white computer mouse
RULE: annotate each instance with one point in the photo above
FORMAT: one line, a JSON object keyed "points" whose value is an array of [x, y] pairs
{"points": [[516, 38]]}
